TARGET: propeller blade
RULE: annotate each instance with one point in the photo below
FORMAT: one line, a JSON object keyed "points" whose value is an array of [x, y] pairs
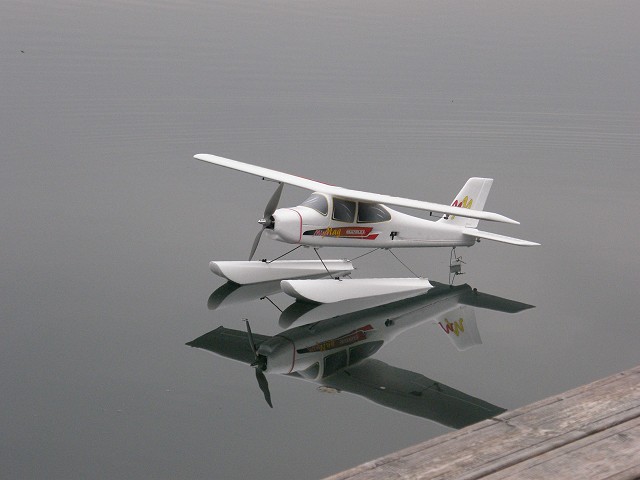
{"points": [[255, 243], [251, 342], [273, 202], [267, 220], [260, 376], [264, 386]]}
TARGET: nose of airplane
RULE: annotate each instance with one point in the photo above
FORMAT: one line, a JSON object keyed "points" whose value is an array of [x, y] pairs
{"points": [[280, 354], [287, 225]]}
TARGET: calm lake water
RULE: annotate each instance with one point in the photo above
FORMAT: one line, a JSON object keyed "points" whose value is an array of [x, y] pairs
{"points": [[108, 223]]}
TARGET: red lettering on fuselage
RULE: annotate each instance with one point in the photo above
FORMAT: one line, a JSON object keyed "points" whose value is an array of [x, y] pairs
{"points": [[345, 232], [348, 339]]}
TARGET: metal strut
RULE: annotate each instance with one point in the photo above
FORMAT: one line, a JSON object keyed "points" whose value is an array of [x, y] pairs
{"points": [[315, 249], [403, 264], [360, 256], [455, 266], [271, 302], [278, 258]]}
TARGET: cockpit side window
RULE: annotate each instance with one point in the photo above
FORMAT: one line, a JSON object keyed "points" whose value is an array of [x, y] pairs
{"points": [[334, 362], [364, 350], [344, 210], [372, 213], [318, 202]]}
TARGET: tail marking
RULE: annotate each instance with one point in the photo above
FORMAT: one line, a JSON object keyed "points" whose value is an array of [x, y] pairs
{"points": [[465, 203], [456, 327]]}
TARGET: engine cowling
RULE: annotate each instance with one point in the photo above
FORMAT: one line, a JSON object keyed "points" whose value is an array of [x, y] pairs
{"points": [[280, 354], [287, 226]]}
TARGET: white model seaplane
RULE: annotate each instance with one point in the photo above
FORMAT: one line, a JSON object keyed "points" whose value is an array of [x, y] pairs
{"points": [[339, 217]]}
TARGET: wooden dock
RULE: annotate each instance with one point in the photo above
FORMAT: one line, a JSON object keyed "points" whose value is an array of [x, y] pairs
{"points": [[591, 432]]}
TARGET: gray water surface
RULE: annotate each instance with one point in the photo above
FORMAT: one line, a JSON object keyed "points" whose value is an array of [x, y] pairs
{"points": [[108, 223]]}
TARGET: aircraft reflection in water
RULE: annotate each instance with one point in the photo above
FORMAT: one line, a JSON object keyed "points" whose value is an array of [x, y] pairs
{"points": [[335, 352]]}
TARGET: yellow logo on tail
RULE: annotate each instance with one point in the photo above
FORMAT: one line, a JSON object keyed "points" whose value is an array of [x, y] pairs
{"points": [[465, 203], [456, 327]]}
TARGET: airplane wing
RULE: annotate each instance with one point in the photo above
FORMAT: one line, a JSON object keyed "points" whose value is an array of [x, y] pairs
{"points": [[315, 186], [229, 343], [412, 393]]}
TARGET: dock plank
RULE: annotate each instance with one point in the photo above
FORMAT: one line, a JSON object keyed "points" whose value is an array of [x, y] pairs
{"points": [[592, 432], [598, 455]]}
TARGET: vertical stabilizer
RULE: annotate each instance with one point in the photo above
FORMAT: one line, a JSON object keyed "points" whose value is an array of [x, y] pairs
{"points": [[472, 196], [460, 326]]}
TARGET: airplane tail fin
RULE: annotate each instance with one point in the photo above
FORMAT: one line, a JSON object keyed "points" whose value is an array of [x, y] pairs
{"points": [[460, 326], [473, 196]]}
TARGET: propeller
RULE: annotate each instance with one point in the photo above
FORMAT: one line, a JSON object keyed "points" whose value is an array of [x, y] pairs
{"points": [[267, 218], [260, 364]]}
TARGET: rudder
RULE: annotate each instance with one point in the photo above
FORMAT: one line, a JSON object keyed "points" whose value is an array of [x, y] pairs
{"points": [[460, 326], [472, 196]]}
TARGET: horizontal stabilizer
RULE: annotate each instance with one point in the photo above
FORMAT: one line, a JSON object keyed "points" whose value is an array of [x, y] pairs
{"points": [[492, 302], [473, 232]]}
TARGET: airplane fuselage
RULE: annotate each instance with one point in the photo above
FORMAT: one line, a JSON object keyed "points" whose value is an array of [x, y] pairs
{"points": [[351, 338], [341, 217], [392, 229]]}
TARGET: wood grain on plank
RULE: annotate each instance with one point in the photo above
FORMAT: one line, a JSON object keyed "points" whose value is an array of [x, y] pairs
{"points": [[592, 431]]}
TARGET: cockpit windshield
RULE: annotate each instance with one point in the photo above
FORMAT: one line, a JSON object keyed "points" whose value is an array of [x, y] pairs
{"points": [[318, 202]]}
